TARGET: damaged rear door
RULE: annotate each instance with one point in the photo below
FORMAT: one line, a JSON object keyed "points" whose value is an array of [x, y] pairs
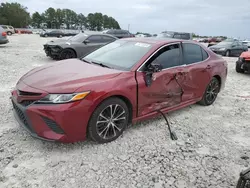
{"points": [[164, 90]]}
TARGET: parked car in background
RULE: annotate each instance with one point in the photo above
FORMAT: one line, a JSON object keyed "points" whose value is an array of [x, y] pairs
{"points": [[3, 36], [123, 82], [23, 31], [56, 33], [229, 47], [176, 35], [247, 43], [243, 63], [119, 33], [8, 29], [76, 46]]}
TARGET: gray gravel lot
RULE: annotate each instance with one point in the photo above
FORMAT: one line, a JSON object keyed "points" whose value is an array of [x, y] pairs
{"points": [[213, 145]]}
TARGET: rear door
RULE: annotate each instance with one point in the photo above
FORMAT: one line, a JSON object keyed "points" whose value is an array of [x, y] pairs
{"points": [[164, 91], [194, 72]]}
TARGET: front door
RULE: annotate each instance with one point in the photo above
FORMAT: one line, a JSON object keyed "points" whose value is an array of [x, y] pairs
{"points": [[165, 90], [94, 42]]}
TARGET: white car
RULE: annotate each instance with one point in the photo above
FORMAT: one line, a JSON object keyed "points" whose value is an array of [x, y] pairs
{"points": [[246, 42]]}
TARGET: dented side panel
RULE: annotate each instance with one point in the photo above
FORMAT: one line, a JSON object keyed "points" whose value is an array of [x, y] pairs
{"points": [[164, 91]]}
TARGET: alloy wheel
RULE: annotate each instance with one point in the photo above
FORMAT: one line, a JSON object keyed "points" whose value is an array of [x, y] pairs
{"points": [[110, 121], [212, 91]]}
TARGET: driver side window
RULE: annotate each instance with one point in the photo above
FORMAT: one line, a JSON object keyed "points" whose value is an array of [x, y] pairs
{"points": [[95, 39], [168, 57]]}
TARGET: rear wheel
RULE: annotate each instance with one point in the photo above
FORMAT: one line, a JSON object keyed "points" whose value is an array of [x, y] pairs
{"points": [[211, 92], [238, 68], [108, 121], [228, 53], [67, 54], [9, 33]]}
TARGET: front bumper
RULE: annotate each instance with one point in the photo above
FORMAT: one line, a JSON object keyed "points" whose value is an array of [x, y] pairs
{"points": [[244, 65], [52, 51], [65, 123]]}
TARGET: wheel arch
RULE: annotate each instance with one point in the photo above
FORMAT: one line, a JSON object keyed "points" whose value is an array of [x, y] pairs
{"points": [[218, 78], [120, 96], [68, 48]]}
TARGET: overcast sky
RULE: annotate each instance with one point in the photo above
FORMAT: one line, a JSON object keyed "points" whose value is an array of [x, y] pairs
{"points": [[204, 17]]}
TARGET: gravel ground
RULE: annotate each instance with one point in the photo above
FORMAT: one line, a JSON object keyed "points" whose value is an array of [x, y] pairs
{"points": [[213, 145]]}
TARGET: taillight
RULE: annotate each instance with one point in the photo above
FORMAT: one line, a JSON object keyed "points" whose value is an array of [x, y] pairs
{"points": [[4, 34]]}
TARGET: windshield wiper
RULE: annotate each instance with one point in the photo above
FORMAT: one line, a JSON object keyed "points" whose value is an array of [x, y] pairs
{"points": [[83, 59], [101, 64], [92, 62]]}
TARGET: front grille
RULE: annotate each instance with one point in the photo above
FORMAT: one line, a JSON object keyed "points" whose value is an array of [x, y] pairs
{"points": [[26, 93], [27, 102], [21, 116], [53, 125]]}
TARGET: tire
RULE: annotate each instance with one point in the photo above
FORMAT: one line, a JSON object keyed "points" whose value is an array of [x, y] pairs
{"points": [[238, 68], [109, 129], [227, 53], [9, 33], [46, 35], [67, 54], [211, 92]]}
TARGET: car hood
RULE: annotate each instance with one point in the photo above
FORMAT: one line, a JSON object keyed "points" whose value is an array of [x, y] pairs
{"points": [[220, 46], [66, 76], [62, 42]]}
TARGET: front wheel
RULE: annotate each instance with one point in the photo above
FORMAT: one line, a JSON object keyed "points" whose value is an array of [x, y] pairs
{"points": [[211, 92], [9, 33], [108, 121], [67, 54]]}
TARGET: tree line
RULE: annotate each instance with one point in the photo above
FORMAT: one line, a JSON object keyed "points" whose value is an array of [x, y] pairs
{"points": [[18, 16]]}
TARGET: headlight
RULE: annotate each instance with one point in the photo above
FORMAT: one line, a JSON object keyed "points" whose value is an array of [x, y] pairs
{"points": [[222, 49], [63, 98]]}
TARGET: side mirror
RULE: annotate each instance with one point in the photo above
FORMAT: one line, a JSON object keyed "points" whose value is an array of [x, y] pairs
{"points": [[152, 68], [86, 41]]}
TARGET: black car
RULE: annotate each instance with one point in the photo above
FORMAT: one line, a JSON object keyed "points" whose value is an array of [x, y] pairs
{"points": [[244, 179], [119, 33], [56, 33], [229, 47]]}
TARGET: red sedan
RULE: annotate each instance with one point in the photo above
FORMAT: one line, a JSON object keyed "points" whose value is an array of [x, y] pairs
{"points": [[125, 81]]}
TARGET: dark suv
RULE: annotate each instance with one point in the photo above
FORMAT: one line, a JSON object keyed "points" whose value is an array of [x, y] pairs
{"points": [[119, 33], [176, 35]]}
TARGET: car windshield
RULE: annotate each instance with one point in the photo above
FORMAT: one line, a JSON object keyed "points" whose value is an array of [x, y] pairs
{"points": [[79, 37], [120, 54]]}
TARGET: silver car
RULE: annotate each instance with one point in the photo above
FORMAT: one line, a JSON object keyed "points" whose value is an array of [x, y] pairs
{"points": [[76, 46], [8, 29], [3, 36]]}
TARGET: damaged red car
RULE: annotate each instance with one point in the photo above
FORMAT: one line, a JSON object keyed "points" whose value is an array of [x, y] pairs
{"points": [[243, 63], [99, 95]]}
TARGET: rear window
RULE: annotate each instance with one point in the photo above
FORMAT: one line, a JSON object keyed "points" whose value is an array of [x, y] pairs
{"points": [[5, 27], [204, 54], [192, 53]]}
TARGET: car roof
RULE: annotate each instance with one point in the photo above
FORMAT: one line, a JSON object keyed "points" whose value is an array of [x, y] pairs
{"points": [[156, 41]]}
